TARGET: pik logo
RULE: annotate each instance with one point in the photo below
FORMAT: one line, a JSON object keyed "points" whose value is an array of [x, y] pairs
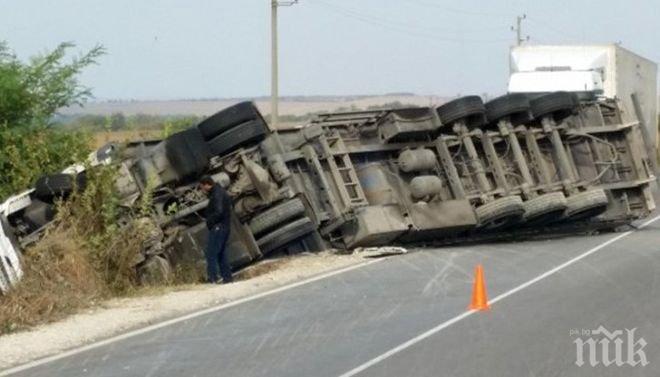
{"points": [[600, 346]]}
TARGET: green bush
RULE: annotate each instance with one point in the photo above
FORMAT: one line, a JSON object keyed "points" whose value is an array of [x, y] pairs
{"points": [[30, 94]]}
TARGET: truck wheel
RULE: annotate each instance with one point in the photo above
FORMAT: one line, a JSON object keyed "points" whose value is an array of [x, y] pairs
{"points": [[558, 104], [227, 118], [586, 204], [515, 106], [285, 234], [501, 212], [252, 131], [53, 186], [276, 215], [187, 152], [38, 214], [470, 108], [544, 209]]}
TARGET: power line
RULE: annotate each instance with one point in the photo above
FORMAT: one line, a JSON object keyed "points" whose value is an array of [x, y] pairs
{"points": [[398, 21], [396, 26], [558, 31], [460, 11]]}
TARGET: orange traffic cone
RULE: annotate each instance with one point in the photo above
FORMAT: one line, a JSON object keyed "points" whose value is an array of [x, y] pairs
{"points": [[479, 296]]}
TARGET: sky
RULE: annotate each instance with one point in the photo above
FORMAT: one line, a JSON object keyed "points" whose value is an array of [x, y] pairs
{"points": [[176, 49]]}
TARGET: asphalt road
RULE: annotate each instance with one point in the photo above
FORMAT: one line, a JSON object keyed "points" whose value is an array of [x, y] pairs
{"points": [[406, 316]]}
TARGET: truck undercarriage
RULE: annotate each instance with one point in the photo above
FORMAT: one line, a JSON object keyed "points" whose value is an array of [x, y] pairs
{"points": [[465, 171]]}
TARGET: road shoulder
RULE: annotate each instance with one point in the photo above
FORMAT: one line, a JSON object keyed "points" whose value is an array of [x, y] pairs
{"points": [[119, 316]]}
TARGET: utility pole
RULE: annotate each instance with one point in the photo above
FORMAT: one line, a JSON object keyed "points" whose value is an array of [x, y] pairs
{"points": [[518, 30], [274, 89]]}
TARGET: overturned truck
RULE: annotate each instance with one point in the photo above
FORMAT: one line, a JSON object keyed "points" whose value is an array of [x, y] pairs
{"points": [[519, 164]]}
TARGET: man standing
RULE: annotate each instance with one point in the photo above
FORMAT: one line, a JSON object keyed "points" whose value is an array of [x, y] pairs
{"points": [[218, 221]]}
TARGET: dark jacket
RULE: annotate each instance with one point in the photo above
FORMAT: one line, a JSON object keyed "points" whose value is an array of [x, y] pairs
{"points": [[218, 212]]}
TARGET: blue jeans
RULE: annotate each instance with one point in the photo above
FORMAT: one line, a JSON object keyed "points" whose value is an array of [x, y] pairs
{"points": [[216, 254]]}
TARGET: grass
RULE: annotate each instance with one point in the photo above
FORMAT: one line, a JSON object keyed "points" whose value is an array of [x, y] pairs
{"points": [[59, 279], [83, 257]]}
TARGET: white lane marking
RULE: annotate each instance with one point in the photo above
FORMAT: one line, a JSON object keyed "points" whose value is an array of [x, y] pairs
{"points": [[186, 317], [504, 295]]}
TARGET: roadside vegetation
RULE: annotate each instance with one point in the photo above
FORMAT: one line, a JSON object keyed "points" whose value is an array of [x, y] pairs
{"points": [[30, 94], [87, 254]]}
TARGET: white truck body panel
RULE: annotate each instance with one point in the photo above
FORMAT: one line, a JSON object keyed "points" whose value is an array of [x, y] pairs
{"points": [[10, 265], [621, 72], [542, 81]]}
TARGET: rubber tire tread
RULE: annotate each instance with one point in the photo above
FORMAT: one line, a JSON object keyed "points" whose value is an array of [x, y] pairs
{"points": [[276, 215], [188, 153], [227, 118], [241, 135], [285, 234], [558, 104], [544, 205], [594, 202], [508, 105], [470, 108], [505, 207]]}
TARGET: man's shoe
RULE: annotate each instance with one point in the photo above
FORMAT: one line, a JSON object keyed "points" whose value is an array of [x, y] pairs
{"points": [[226, 281]]}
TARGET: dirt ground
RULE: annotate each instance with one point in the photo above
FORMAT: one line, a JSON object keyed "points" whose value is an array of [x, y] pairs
{"points": [[120, 315]]}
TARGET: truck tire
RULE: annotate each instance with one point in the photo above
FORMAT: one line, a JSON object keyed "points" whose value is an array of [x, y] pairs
{"points": [[285, 234], [188, 153], [38, 214], [586, 204], [276, 215], [559, 105], [470, 108], [253, 131], [500, 212], [515, 106], [544, 209], [227, 118], [52, 186]]}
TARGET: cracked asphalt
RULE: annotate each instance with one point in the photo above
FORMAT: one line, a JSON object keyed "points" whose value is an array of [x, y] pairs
{"points": [[332, 326]]}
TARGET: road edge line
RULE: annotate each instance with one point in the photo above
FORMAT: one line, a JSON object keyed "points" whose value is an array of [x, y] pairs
{"points": [[185, 317]]}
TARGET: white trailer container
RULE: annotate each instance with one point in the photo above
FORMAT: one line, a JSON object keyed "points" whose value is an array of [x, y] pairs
{"points": [[607, 70]]}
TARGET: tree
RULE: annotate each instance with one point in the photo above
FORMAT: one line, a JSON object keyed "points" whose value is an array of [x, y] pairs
{"points": [[117, 121], [30, 94]]}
